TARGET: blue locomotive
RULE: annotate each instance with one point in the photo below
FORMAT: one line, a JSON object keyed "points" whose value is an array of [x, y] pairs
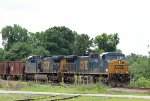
{"points": [[109, 68]]}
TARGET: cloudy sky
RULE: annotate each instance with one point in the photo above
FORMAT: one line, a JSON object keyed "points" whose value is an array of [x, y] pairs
{"points": [[129, 18]]}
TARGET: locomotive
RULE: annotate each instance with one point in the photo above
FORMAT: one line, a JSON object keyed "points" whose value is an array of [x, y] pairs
{"points": [[110, 68], [116, 68]]}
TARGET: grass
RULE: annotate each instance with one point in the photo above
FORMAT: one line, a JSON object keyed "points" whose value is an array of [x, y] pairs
{"points": [[32, 86], [132, 93], [106, 99], [82, 89], [12, 97], [91, 88]]}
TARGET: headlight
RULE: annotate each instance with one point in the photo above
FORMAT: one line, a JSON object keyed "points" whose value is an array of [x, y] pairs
{"points": [[106, 70]]}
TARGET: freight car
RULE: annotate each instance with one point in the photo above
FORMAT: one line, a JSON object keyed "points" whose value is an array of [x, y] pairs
{"points": [[109, 68], [12, 69]]}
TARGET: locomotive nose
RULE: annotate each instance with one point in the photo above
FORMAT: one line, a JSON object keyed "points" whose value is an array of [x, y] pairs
{"points": [[118, 67]]}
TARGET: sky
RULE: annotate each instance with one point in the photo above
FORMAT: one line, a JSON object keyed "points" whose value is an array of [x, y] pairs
{"points": [[129, 18]]}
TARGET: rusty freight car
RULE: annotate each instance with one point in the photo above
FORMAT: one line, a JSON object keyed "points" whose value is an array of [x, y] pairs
{"points": [[12, 69], [4, 69]]}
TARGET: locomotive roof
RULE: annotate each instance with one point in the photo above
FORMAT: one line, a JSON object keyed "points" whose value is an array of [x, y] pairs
{"points": [[57, 57], [70, 56], [83, 56], [33, 56], [112, 53]]}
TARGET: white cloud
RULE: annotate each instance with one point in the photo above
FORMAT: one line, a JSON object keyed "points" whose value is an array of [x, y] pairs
{"points": [[129, 18]]}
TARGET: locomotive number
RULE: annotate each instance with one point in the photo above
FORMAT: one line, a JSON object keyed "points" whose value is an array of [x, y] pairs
{"points": [[119, 67]]}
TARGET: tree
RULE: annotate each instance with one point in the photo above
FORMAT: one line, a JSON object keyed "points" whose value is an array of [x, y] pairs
{"points": [[107, 43], [2, 52], [11, 35], [82, 44], [132, 58], [141, 68], [18, 51], [58, 40], [40, 51]]}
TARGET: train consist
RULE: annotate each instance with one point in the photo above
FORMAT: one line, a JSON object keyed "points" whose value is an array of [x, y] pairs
{"points": [[109, 68]]}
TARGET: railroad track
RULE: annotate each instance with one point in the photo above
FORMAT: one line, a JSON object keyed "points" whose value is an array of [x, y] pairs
{"points": [[64, 98], [32, 99], [55, 99]]}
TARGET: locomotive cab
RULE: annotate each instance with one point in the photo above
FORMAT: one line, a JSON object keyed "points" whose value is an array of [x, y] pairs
{"points": [[117, 68], [111, 59], [33, 64]]}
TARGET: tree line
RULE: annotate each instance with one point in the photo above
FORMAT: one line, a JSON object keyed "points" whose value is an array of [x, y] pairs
{"points": [[19, 43]]}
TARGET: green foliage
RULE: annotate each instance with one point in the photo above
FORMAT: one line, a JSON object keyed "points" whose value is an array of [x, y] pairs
{"points": [[58, 40], [2, 52], [88, 88], [18, 51], [40, 51], [92, 88], [82, 44], [107, 43], [132, 58], [141, 68], [141, 82], [11, 35], [36, 39]]}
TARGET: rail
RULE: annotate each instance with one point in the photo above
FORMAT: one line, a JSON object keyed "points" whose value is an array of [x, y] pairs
{"points": [[31, 99], [64, 98]]}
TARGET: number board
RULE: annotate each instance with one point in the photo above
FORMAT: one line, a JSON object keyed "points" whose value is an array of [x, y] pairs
{"points": [[119, 66]]}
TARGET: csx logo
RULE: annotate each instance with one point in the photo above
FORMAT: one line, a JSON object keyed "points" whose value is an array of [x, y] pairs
{"points": [[46, 64], [83, 65]]}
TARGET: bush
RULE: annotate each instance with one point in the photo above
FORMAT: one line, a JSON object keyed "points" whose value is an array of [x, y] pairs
{"points": [[141, 82], [140, 68]]}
